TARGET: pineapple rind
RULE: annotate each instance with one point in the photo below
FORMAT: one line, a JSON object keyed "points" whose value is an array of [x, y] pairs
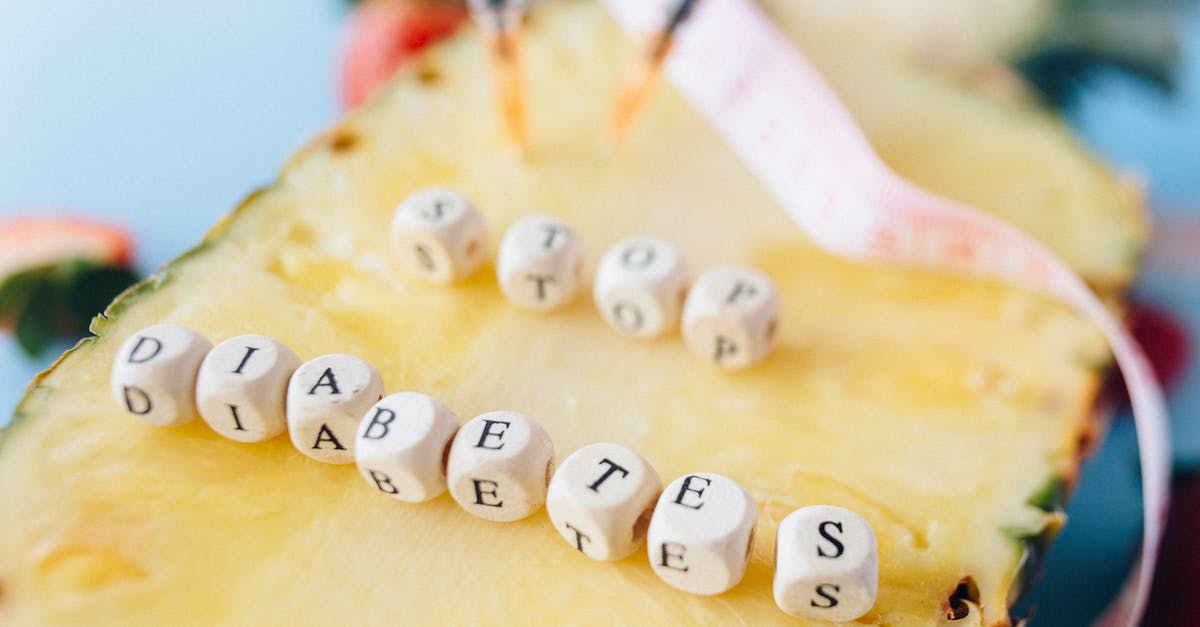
{"points": [[111, 521]]}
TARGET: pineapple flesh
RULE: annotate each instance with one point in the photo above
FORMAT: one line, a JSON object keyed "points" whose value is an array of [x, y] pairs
{"points": [[935, 406]]}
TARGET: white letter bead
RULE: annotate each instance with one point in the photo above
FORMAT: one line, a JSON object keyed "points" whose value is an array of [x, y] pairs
{"points": [[326, 400], [731, 316], [242, 387], [438, 235], [600, 500], [154, 374], [402, 443], [826, 564], [640, 286], [499, 466], [539, 263], [701, 533]]}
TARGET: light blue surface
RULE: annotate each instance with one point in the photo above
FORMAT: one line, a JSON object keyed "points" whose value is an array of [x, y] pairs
{"points": [[159, 115], [163, 115]]}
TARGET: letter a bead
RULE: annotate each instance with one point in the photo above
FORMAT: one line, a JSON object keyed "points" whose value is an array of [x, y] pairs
{"points": [[731, 316], [826, 564], [242, 387], [326, 400], [600, 500], [701, 533], [499, 466], [539, 263], [154, 374], [402, 443], [640, 286], [438, 235]]}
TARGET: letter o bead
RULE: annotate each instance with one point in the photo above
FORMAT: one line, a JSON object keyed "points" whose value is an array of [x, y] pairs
{"points": [[326, 400], [641, 283], [499, 466], [701, 534], [539, 263], [600, 500], [402, 445], [438, 235], [731, 315], [242, 387], [154, 374], [826, 564]]}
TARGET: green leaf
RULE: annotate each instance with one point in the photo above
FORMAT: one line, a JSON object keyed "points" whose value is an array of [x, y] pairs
{"points": [[35, 325], [16, 290], [87, 291]]}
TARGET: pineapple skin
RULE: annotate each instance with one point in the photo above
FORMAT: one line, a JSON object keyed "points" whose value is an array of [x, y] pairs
{"points": [[932, 405]]}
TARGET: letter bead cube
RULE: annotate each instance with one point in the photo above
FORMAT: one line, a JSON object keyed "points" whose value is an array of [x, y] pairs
{"points": [[601, 498], [826, 564], [731, 315], [242, 387], [499, 466], [438, 235], [701, 534], [539, 263], [154, 374], [640, 286], [326, 399], [402, 445]]}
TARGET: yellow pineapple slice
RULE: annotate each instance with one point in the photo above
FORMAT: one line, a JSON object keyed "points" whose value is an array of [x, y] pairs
{"points": [[938, 408]]}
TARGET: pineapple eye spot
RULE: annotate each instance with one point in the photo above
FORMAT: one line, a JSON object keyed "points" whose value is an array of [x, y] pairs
{"points": [[956, 607], [429, 75], [343, 141]]}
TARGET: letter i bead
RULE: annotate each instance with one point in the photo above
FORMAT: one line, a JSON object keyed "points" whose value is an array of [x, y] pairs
{"points": [[601, 498], [731, 315], [641, 283], [242, 387], [701, 534], [438, 235], [539, 263], [402, 445], [826, 564], [499, 466], [154, 374], [326, 400]]}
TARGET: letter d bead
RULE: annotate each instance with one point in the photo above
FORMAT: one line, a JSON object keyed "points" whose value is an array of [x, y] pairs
{"points": [[154, 374]]}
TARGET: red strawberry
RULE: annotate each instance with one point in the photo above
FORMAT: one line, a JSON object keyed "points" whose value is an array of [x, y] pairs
{"points": [[384, 34], [1164, 338], [35, 241]]}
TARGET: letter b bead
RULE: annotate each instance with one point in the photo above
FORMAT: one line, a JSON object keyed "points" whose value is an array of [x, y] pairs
{"points": [[600, 500], [640, 286], [731, 316], [438, 235], [402, 443], [154, 374], [499, 466], [701, 533], [826, 564], [539, 264]]}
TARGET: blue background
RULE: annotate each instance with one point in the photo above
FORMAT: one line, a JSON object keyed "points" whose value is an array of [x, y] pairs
{"points": [[163, 115]]}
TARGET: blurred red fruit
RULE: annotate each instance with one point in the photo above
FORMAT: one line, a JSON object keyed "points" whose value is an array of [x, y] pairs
{"points": [[384, 34], [1165, 340], [34, 241]]}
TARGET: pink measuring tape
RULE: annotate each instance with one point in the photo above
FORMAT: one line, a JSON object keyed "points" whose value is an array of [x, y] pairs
{"points": [[778, 114]]}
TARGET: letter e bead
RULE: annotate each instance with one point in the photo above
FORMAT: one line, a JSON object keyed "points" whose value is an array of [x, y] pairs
{"points": [[438, 235], [326, 400], [539, 263], [701, 534], [731, 316], [640, 286], [499, 466], [402, 445], [154, 374], [826, 564], [601, 498], [242, 387]]}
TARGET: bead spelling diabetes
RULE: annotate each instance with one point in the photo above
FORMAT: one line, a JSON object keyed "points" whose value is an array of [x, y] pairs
{"points": [[605, 499]]}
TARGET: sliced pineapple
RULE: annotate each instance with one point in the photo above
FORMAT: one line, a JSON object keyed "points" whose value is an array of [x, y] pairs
{"points": [[936, 407]]}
